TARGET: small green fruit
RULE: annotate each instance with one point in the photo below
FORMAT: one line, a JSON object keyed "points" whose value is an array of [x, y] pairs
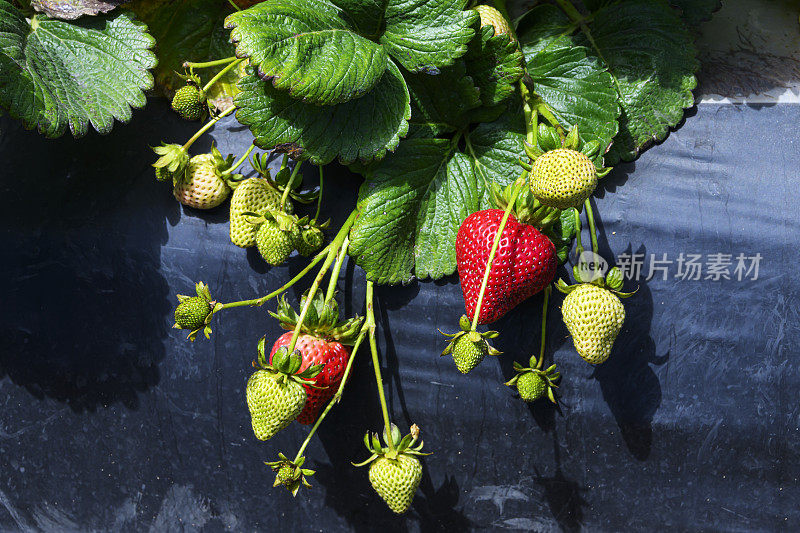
{"points": [[469, 350], [255, 195], [310, 240], [531, 386], [189, 103], [396, 480], [594, 316], [192, 312], [563, 178], [273, 402], [274, 244], [492, 17]]}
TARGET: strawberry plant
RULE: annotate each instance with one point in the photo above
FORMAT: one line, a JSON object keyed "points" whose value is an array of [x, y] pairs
{"points": [[480, 139]]}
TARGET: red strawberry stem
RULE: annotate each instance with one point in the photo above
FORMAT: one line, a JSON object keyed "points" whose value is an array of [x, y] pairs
{"points": [[545, 302], [221, 73], [592, 230], [373, 348], [336, 397], [333, 251], [207, 127], [517, 189]]}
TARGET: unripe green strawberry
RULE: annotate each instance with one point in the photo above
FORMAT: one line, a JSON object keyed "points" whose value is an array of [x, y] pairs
{"points": [[396, 480], [273, 405], [563, 178], [202, 188], [531, 386], [162, 174], [309, 241], [274, 244], [285, 475], [492, 17], [468, 351], [255, 195], [192, 312], [594, 317], [188, 102]]}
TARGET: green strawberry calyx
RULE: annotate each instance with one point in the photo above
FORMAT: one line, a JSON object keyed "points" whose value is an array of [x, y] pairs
{"points": [[549, 375], [527, 209], [172, 162], [290, 474], [203, 292], [479, 339], [220, 164], [285, 366], [192, 79], [322, 319], [282, 179], [395, 444], [286, 222], [613, 282]]}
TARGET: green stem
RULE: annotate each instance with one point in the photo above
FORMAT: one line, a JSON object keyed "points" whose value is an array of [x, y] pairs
{"points": [[542, 108], [517, 189], [336, 397], [337, 267], [570, 10], [289, 185], [219, 74], [319, 198], [578, 244], [264, 299], [547, 290], [373, 348], [592, 232], [333, 250], [241, 160], [216, 63], [207, 127], [531, 117]]}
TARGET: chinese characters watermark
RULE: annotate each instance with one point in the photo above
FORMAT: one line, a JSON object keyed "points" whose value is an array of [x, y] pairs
{"points": [[690, 267]]}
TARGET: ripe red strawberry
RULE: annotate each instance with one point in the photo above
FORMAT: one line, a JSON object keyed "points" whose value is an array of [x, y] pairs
{"points": [[334, 355], [524, 264]]}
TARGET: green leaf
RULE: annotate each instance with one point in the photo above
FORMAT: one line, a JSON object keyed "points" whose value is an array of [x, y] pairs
{"points": [[413, 202], [73, 9], [361, 129], [440, 103], [495, 149], [185, 30], [572, 82], [411, 207], [309, 48], [423, 35], [57, 74], [651, 55], [495, 64]]}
